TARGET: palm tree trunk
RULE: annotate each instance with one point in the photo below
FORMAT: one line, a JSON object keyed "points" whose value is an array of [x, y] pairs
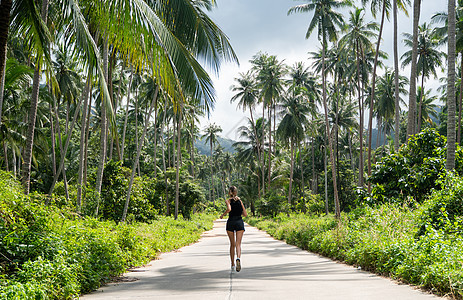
{"points": [[82, 143], [301, 160], [126, 113], [26, 176], [164, 158], [420, 104], [396, 81], [5, 8], [370, 118], [460, 101], [139, 146], [177, 190], [14, 162], [313, 167], [155, 138], [411, 130], [103, 128], [360, 101], [5, 150], [87, 135], [53, 146], [291, 174], [263, 151], [258, 146], [212, 175], [327, 123], [63, 155], [450, 163], [269, 145], [326, 179]]}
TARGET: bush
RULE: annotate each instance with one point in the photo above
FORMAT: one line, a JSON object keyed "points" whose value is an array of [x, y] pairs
{"points": [[412, 173], [50, 253]]}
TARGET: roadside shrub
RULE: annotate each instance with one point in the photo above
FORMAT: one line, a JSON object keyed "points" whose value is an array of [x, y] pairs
{"points": [[272, 204], [413, 171]]}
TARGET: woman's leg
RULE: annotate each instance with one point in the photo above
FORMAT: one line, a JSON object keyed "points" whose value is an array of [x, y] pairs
{"points": [[231, 237], [239, 237]]}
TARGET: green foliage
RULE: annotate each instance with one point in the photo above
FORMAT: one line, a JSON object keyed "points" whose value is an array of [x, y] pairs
{"points": [[412, 172], [444, 208], [49, 253], [272, 204], [382, 240], [190, 191]]}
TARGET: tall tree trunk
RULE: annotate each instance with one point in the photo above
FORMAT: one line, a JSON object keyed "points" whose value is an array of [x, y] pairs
{"points": [[460, 100], [360, 102], [87, 135], [411, 130], [177, 189], [291, 174], [314, 184], [63, 155], [327, 123], [326, 178], [212, 175], [420, 105], [5, 150], [14, 162], [53, 139], [373, 86], [26, 170], [126, 113], [258, 147], [164, 158], [263, 150], [155, 138], [396, 81], [269, 144], [103, 136], [82, 143], [5, 8], [301, 160], [450, 164], [139, 146]]}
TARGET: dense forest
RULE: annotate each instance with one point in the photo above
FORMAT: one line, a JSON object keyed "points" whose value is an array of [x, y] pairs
{"points": [[100, 104]]}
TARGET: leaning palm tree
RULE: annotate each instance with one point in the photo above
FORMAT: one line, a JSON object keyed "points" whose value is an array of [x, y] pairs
{"points": [[326, 20], [211, 135], [429, 57]]}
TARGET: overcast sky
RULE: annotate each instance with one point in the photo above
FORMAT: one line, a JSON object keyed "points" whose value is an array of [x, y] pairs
{"points": [[263, 25]]}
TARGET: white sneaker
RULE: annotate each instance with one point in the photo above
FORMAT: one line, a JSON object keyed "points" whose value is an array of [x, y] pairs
{"points": [[238, 265], [233, 268]]}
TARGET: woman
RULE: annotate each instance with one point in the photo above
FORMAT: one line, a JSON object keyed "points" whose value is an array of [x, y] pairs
{"points": [[235, 224]]}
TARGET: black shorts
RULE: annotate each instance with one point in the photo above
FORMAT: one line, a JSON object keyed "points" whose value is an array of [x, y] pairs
{"points": [[235, 223]]}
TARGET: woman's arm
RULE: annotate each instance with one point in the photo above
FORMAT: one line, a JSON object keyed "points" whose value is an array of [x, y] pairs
{"points": [[228, 208], [244, 213]]}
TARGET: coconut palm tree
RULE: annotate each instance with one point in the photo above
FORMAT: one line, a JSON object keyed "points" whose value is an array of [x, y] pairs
{"points": [[429, 57], [247, 94], [291, 129], [358, 39], [211, 135], [411, 130], [450, 163], [326, 20]]}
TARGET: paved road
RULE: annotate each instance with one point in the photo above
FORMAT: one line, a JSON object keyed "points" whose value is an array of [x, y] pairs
{"points": [[271, 270]]}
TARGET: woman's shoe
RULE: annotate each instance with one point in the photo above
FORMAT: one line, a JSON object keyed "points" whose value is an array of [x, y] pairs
{"points": [[238, 265]]}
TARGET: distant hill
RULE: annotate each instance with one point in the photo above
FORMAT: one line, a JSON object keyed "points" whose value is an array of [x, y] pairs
{"points": [[204, 148]]}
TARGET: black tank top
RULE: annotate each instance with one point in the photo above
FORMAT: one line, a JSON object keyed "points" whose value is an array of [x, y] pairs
{"points": [[236, 208]]}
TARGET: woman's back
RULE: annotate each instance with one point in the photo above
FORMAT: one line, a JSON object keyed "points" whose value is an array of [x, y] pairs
{"points": [[236, 208]]}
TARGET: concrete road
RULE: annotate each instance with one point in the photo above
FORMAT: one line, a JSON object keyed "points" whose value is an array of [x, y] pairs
{"points": [[271, 269]]}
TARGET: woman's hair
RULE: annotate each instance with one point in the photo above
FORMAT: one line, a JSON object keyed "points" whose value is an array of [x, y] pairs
{"points": [[232, 191]]}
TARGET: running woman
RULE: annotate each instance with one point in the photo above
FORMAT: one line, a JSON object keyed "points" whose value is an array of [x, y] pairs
{"points": [[235, 226]]}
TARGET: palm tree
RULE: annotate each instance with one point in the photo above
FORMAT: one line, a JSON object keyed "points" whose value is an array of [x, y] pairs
{"points": [[247, 93], [429, 57], [358, 38], [211, 134], [450, 163], [428, 107], [292, 126], [270, 81], [326, 20], [413, 74]]}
